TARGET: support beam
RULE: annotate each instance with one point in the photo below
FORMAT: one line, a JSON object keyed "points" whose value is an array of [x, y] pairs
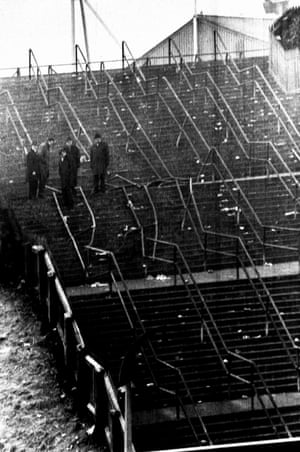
{"points": [[103, 23], [85, 30], [195, 37], [73, 28]]}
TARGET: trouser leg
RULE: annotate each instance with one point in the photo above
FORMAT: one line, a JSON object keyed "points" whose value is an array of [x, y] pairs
{"points": [[42, 185], [33, 186], [67, 197], [102, 182], [96, 183]]}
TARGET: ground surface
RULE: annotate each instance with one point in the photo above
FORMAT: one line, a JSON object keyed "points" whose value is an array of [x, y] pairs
{"points": [[35, 412]]}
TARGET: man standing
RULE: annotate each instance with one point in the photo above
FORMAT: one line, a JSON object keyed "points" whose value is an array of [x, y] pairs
{"points": [[74, 156], [65, 173], [99, 162], [33, 172], [44, 158]]}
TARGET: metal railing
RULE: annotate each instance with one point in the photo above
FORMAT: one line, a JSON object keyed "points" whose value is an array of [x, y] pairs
{"points": [[89, 77], [262, 286], [92, 216], [71, 236], [94, 386], [230, 176], [12, 106], [266, 83], [174, 262], [34, 70], [131, 137], [136, 218], [133, 67], [242, 198], [75, 117], [248, 154], [137, 122], [227, 356], [177, 372], [181, 64], [180, 126]]}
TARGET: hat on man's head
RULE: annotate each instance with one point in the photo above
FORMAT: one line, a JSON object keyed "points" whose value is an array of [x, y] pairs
{"points": [[97, 135]]}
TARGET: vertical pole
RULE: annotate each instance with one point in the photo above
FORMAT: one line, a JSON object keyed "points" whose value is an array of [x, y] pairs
{"points": [[29, 67], [85, 30], [128, 420], [73, 28], [175, 265], [123, 55], [195, 34], [169, 50], [215, 45], [237, 259], [205, 252], [264, 246], [76, 59]]}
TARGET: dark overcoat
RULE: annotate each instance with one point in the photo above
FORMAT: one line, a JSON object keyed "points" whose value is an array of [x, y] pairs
{"points": [[32, 166], [99, 153], [74, 155], [65, 171]]}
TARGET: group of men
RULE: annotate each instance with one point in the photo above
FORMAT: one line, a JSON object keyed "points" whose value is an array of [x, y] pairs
{"points": [[38, 167]]}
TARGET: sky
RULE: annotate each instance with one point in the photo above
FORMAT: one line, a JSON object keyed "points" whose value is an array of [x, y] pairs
{"points": [[45, 26]]}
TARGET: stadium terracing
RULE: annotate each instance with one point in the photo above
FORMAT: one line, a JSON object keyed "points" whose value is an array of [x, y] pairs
{"points": [[174, 295]]}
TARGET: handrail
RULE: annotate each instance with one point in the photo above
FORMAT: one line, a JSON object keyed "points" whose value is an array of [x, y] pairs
{"points": [[179, 125], [173, 43], [12, 104], [93, 226], [155, 217], [255, 67], [86, 70], [243, 134], [198, 131], [266, 82], [228, 352], [46, 96], [257, 274], [110, 79], [21, 141], [74, 344], [39, 76], [143, 329], [82, 264], [191, 278], [137, 220], [281, 106], [251, 158], [296, 154], [263, 242], [187, 114], [130, 136], [135, 67], [65, 98], [182, 61]]}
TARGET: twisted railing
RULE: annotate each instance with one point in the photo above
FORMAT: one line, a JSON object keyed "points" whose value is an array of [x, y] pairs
{"points": [[114, 266], [71, 236], [226, 356]]}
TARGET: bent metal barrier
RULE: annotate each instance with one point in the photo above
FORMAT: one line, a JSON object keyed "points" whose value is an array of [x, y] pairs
{"points": [[95, 390]]}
